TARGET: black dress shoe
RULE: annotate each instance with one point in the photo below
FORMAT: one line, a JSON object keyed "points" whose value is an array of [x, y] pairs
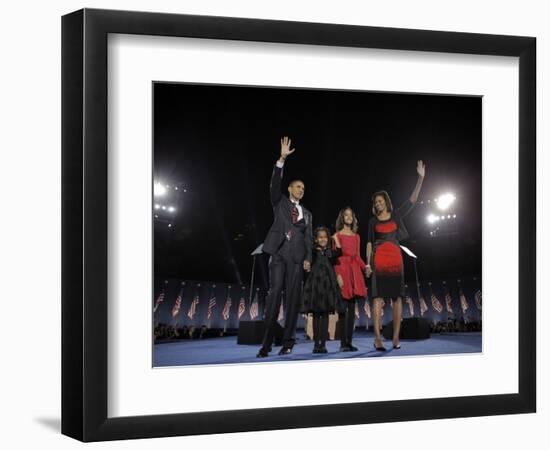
{"points": [[397, 347], [352, 348], [322, 349], [285, 351], [379, 349], [315, 350], [345, 348], [263, 353]]}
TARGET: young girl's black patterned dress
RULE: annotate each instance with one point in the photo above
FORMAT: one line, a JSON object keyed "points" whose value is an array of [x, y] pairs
{"points": [[321, 292]]}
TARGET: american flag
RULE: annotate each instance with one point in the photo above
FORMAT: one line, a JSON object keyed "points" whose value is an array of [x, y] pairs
{"points": [[242, 308], [281, 313], [177, 305], [226, 308], [211, 305], [367, 309], [477, 297], [254, 307], [356, 311], [463, 302], [449, 303], [193, 307], [409, 301], [383, 304], [423, 306], [436, 303], [159, 300]]}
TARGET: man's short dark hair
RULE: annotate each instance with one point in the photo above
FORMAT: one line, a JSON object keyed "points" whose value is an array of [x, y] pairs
{"points": [[296, 181]]}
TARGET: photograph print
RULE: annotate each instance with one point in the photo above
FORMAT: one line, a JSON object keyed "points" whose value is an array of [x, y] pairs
{"points": [[314, 224]]}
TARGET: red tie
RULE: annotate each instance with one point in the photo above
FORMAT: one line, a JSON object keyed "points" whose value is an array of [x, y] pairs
{"points": [[295, 214]]}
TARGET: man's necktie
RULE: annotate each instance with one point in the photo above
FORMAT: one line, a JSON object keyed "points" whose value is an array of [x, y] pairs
{"points": [[294, 214]]}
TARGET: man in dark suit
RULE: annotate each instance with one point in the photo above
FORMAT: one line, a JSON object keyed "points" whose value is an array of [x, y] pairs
{"points": [[289, 242]]}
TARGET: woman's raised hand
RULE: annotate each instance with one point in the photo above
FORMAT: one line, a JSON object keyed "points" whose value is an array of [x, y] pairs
{"points": [[421, 168]]}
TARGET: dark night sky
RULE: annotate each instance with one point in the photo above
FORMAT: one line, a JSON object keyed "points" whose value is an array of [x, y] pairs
{"points": [[220, 143]]}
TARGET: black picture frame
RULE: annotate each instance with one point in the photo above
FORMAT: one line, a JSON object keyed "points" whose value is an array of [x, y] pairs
{"points": [[84, 224]]}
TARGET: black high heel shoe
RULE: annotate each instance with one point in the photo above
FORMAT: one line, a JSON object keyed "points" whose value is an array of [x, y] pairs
{"points": [[379, 349]]}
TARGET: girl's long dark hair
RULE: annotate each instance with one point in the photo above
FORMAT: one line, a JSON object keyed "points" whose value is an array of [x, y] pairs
{"points": [[340, 220]]}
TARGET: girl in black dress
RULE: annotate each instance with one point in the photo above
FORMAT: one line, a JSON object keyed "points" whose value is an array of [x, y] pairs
{"points": [[321, 294], [386, 231]]}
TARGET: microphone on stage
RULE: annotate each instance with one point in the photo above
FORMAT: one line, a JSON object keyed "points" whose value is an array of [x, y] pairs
{"points": [[408, 252], [257, 251], [414, 257]]}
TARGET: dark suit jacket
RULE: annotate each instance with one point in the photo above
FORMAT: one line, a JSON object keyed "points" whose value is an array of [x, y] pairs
{"points": [[301, 237]]}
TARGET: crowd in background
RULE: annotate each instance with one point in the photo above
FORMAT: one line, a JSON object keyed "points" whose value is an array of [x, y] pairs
{"points": [[176, 332]]}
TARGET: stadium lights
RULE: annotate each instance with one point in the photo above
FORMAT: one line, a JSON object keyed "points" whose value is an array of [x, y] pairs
{"points": [[159, 190], [170, 209], [432, 218], [445, 200]]}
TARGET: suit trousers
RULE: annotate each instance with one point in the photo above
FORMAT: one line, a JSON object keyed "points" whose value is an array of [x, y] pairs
{"points": [[284, 273]]}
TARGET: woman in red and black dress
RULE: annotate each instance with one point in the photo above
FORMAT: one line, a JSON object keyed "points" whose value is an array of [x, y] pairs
{"points": [[384, 260], [349, 274]]}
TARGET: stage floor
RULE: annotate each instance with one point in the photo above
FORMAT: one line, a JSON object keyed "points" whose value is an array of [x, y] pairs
{"points": [[225, 350]]}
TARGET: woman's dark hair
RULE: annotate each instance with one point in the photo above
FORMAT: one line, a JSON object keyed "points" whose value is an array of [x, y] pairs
{"points": [[340, 220], [386, 197]]}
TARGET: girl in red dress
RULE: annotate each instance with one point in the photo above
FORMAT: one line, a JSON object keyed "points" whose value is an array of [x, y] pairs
{"points": [[349, 274], [386, 231]]}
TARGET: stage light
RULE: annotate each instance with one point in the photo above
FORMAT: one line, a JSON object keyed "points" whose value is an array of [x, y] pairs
{"points": [[432, 218], [176, 188], [454, 216], [171, 209], [442, 217], [157, 206], [159, 190], [445, 200], [163, 207], [449, 216], [169, 225]]}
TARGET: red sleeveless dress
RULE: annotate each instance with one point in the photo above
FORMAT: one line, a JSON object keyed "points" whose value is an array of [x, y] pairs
{"points": [[350, 267]]}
